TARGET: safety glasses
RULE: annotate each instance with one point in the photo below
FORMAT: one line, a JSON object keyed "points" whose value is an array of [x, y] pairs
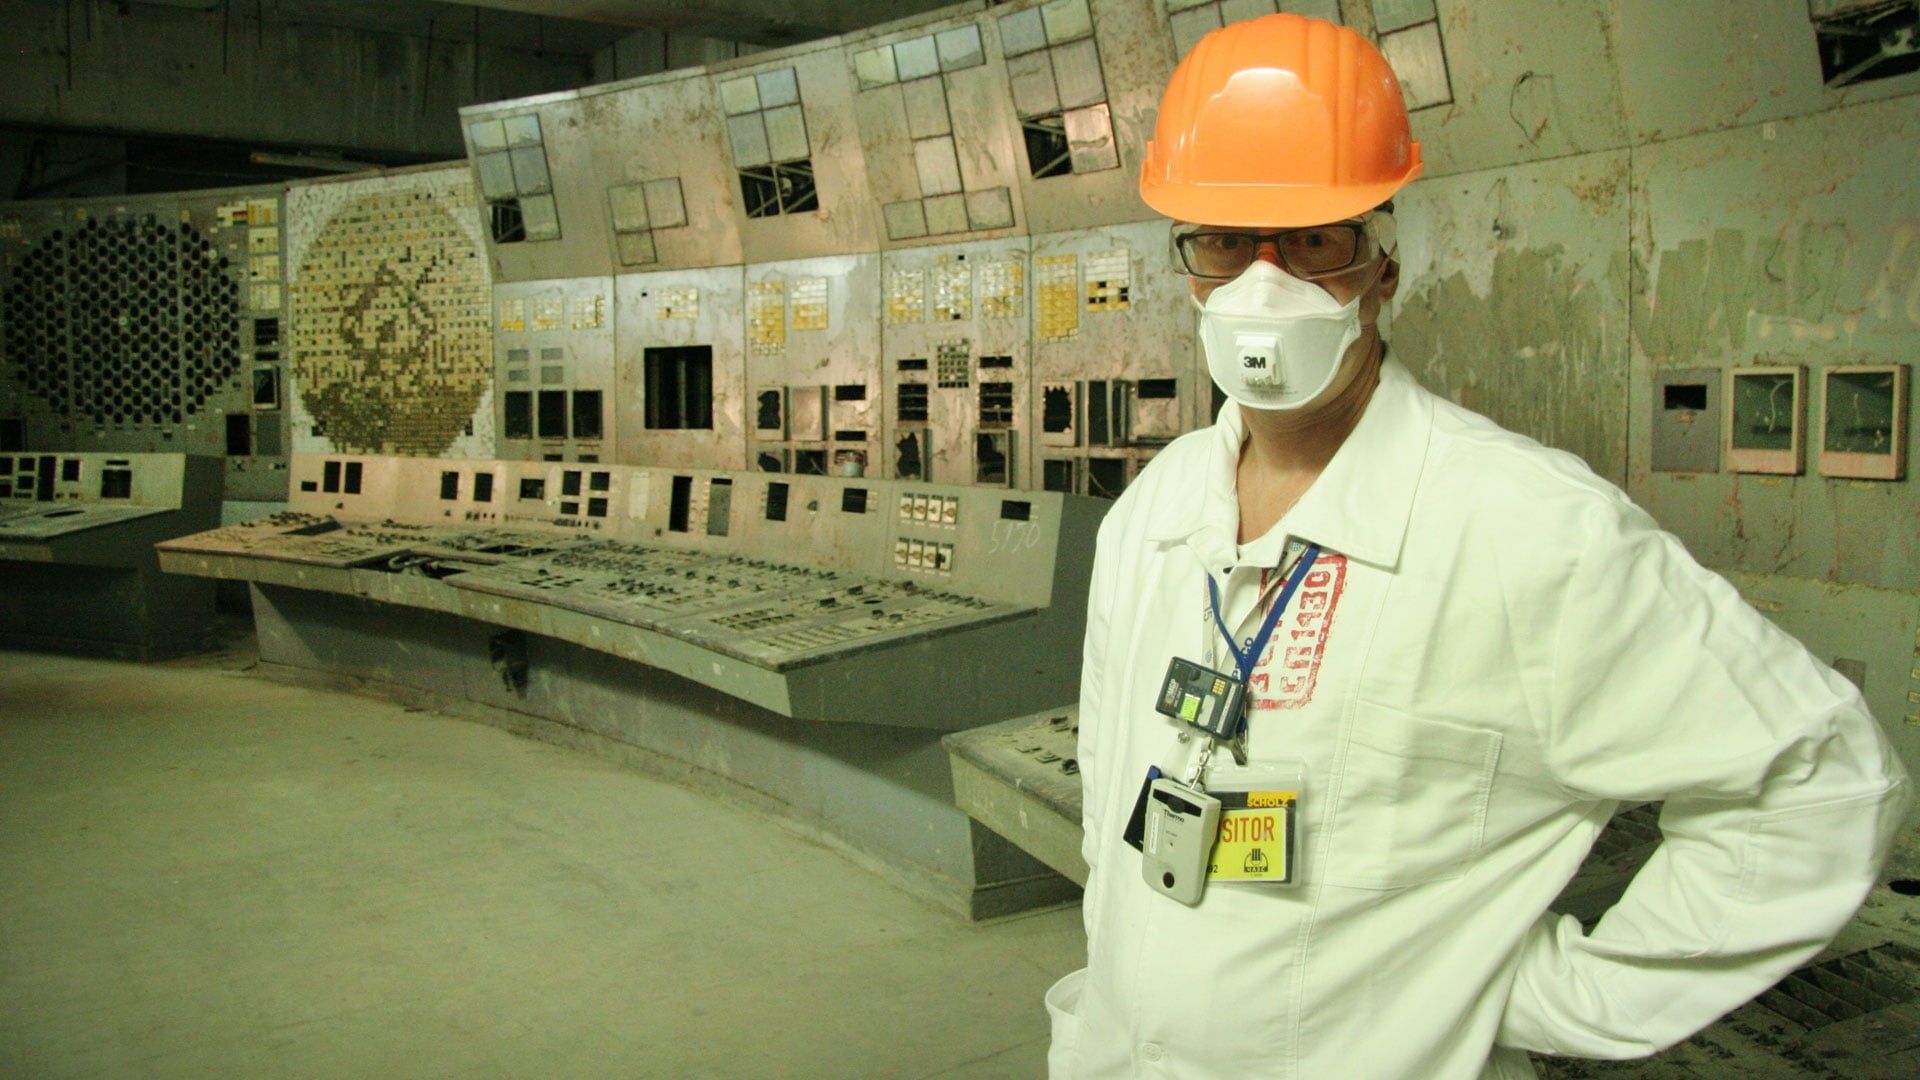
{"points": [[1315, 251]]}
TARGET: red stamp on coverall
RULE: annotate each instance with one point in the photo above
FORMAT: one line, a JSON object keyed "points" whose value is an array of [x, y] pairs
{"points": [[1288, 670]]}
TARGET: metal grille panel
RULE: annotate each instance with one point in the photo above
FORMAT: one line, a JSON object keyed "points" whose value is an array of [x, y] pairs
{"points": [[1847, 986], [1629, 833]]}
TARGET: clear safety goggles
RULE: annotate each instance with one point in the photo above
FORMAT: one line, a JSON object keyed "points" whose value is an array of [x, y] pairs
{"points": [[1219, 253]]}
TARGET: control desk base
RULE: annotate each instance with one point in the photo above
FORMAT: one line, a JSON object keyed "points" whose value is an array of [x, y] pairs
{"points": [[879, 793], [1020, 778], [78, 573], [125, 613]]}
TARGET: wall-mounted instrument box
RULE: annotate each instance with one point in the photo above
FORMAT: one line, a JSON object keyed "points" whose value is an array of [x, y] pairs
{"points": [[1686, 420], [1766, 419], [1864, 422]]}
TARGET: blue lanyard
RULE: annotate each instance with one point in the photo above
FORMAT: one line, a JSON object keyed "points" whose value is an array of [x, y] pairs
{"points": [[1245, 661]]}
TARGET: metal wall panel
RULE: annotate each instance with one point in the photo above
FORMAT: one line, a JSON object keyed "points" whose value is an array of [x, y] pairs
{"points": [[1137, 326], [666, 134], [1710, 64], [1525, 85], [1391, 15], [882, 117], [931, 110], [961, 303], [677, 309], [1030, 80], [813, 339], [1870, 633], [129, 325], [846, 219], [1781, 243], [549, 147], [1131, 45], [265, 373], [553, 369], [926, 105], [1513, 299]]}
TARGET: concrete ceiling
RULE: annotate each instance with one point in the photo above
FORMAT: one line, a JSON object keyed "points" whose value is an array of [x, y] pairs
{"points": [[570, 27], [540, 31], [758, 22]]}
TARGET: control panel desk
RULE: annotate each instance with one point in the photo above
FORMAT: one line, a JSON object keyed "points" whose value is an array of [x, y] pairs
{"points": [[818, 598], [77, 565], [1021, 779], [798, 641]]}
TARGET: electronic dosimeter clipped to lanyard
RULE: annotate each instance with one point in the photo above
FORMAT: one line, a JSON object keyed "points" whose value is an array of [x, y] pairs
{"points": [[1181, 823]]}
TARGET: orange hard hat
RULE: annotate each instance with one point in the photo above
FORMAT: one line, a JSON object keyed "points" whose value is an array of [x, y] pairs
{"points": [[1280, 120]]}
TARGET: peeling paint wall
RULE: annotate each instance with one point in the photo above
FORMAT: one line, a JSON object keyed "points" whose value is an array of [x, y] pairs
{"points": [[1513, 299], [1786, 242], [1544, 370], [1620, 191]]}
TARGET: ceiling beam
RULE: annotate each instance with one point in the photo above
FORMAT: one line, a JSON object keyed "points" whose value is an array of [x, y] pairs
{"points": [[760, 22]]}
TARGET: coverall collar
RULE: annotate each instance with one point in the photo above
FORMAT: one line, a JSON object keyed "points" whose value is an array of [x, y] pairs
{"points": [[1359, 505]]}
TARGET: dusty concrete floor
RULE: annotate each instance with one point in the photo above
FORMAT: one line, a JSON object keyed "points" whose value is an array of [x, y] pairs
{"points": [[203, 874]]}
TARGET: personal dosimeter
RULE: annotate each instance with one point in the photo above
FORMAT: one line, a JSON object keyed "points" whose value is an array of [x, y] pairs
{"points": [[1179, 832], [1179, 823], [1213, 701]]}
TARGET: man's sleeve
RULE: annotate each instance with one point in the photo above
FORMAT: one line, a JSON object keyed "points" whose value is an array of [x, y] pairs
{"points": [[1092, 688], [1781, 794]]}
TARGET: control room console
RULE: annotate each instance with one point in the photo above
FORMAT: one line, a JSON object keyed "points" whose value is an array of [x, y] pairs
{"points": [[77, 564]]}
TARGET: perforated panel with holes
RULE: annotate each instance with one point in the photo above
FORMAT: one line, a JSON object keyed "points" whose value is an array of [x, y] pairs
{"points": [[129, 322]]}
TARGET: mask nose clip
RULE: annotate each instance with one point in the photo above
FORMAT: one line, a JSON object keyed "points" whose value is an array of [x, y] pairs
{"points": [[1263, 284]]}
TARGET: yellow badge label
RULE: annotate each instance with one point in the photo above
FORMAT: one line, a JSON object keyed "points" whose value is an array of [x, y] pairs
{"points": [[1254, 843]]}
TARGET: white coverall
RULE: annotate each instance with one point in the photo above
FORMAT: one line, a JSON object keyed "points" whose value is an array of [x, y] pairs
{"points": [[1496, 650]]}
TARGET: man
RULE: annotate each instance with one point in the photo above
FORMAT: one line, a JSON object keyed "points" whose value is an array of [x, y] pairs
{"points": [[1475, 650]]}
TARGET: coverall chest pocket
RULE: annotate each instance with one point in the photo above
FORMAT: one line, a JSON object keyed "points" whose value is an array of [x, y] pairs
{"points": [[1412, 800]]}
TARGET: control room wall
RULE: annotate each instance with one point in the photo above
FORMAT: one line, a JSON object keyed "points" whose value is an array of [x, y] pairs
{"points": [[1615, 192], [1622, 196]]}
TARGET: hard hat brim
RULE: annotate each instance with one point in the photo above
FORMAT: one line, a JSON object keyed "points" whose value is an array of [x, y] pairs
{"points": [[1268, 205]]}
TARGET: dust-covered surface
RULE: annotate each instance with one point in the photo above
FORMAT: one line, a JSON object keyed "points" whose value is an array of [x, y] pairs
{"points": [[208, 873], [227, 643]]}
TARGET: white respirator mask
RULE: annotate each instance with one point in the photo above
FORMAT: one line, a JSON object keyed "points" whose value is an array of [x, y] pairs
{"points": [[1274, 341]]}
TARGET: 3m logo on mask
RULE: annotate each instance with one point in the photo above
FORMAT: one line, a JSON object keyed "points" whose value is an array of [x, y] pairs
{"points": [[1259, 360]]}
